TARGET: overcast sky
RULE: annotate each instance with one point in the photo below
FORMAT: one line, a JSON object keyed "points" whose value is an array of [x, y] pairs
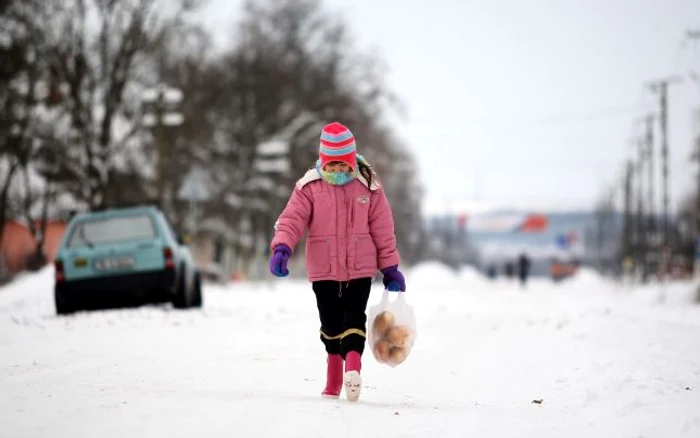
{"points": [[525, 103]]}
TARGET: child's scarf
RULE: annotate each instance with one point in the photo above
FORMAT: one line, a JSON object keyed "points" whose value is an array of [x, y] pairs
{"points": [[339, 178]]}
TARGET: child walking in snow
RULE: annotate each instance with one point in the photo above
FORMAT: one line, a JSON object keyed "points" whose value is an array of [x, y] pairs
{"points": [[350, 227]]}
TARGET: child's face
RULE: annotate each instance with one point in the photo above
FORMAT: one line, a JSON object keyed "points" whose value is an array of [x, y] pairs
{"points": [[337, 166]]}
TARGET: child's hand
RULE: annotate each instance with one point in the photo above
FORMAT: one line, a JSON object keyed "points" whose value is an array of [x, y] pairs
{"points": [[393, 279], [278, 261]]}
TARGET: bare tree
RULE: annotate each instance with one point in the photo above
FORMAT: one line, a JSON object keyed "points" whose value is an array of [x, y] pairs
{"points": [[70, 85], [103, 52], [83, 65], [25, 97]]}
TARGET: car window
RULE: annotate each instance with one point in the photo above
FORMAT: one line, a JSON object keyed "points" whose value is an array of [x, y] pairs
{"points": [[170, 229], [92, 232]]}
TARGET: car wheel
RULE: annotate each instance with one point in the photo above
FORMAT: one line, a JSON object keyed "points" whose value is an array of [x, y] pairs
{"points": [[182, 297], [63, 306], [197, 295]]}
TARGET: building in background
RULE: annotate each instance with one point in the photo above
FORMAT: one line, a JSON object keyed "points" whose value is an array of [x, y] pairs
{"points": [[496, 238], [18, 246]]}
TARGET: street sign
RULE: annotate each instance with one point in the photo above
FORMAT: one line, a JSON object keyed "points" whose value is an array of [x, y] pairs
{"points": [[194, 188]]}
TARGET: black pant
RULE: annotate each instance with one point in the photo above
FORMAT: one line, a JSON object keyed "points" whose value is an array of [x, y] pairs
{"points": [[341, 308]]}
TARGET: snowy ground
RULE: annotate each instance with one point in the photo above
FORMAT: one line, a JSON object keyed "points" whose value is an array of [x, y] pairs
{"points": [[604, 360]]}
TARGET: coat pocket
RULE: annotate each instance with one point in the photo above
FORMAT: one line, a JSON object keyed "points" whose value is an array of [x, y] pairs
{"points": [[360, 214], [365, 253], [318, 256]]}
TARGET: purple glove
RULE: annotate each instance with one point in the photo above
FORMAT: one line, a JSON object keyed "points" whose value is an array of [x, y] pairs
{"points": [[393, 279], [278, 261]]}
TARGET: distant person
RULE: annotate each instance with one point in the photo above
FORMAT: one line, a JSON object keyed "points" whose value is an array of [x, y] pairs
{"points": [[523, 268], [509, 270], [342, 205], [491, 272]]}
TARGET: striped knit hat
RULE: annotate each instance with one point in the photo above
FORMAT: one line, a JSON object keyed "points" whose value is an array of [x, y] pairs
{"points": [[337, 144]]}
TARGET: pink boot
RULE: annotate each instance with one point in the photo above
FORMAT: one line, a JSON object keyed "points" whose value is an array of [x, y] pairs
{"points": [[352, 379], [334, 377]]}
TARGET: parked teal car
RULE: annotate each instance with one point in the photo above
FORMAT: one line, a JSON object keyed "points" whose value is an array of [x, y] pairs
{"points": [[124, 257]]}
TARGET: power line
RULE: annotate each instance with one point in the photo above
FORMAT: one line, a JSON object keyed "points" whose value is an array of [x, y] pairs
{"points": [[649, 140]]}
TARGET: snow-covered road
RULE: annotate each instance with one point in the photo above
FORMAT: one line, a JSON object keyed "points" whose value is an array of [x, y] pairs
{"points": [[604, 360]]}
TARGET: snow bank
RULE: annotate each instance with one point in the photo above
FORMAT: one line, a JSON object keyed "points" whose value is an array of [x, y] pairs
{"points": [[430, 275], [27, 284], [472, 276], [587, 279]]}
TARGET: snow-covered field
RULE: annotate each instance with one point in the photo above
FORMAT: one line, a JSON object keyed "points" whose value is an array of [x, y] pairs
{"points": [[604, 360]]}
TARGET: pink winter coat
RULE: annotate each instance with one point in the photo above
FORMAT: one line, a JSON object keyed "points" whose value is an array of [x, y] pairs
{"points": [[351, 228]]}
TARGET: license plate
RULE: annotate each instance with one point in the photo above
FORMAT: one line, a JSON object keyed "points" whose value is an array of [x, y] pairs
{"points": [[80, 263], [112, 263]]}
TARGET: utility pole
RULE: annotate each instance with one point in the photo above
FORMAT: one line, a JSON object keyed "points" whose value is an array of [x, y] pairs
{"points": [[627, 225], [649, 139], [650, 238], [696, 234], [696, 246], [694, 35], [640, 247], [661, 87]]}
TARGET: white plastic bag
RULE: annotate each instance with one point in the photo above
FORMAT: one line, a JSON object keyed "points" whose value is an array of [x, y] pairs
{"points": [[391, 329]]}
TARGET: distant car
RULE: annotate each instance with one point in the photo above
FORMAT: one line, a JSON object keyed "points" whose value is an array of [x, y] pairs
{"points": [[125, 256]]}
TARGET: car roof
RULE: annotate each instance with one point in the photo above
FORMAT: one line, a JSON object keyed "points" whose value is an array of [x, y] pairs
{"points": [[117, 212]]}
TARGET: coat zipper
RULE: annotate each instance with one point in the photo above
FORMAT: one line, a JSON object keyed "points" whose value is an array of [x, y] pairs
{"points": [[352, 215], [351, 219]]}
